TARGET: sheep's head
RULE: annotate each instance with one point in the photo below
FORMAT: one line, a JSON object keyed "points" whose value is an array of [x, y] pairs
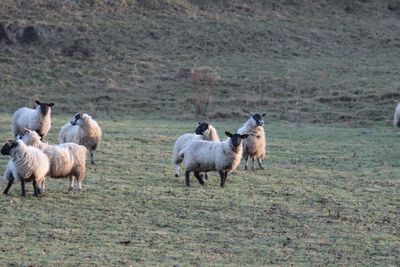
{"points": [[8, 146], [76, 118], [28, 136], [44, 107], [236, 139], [258, 118], [203, 126]]}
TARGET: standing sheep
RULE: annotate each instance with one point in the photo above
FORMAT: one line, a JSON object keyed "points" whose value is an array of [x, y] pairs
{"points": [[38, 119], [82, 130], [396, 119], [26, 164], [66, 160], [204, 131], [205, 156], [254, 145]]}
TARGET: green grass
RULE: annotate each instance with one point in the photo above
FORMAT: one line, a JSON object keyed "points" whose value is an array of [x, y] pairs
{"points": [[329, 196]]}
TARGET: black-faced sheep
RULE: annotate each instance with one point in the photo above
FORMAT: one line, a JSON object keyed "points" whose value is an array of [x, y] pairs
{"points": [[82, 130], [26, 164], [254, 145], [66, 160], [204, 131], [38, 119], [205, 156]]}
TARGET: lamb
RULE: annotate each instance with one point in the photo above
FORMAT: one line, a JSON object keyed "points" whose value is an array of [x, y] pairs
{"points": [[396, 119], [82, 130], [205, 156], [38, 119], [204, 131], [254, 146], [26, 164], [66, 160]]}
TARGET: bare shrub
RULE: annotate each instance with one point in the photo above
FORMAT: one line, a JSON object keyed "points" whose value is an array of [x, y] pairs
{"points": [[203, 80]]}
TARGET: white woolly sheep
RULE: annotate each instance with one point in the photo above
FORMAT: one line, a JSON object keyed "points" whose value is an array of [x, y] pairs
{"points": [[205, 156], [204, 131], [66, 160], [26, 164], [254, 145], [396, 119], [82, 130], [38, 119]]}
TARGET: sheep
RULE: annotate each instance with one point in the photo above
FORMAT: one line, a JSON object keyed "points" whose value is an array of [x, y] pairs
{"points": [[204, 131], [66, 160], [82, 130], [205, 156], [38, 119], [396, 119], [26, 164], [254, 146]]}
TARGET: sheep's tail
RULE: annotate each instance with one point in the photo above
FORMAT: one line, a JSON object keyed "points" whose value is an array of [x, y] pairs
{"points": [[178, 160]]}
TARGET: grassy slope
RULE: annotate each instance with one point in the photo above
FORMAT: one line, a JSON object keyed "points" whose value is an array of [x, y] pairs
{"points": [[341, 55], [328, 196]]}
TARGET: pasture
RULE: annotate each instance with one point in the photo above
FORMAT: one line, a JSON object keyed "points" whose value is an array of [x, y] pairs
{"points": [[328, 195], [325, 73]]}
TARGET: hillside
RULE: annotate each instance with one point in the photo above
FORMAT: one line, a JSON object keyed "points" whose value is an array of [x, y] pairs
{"points": [[337, 59]]}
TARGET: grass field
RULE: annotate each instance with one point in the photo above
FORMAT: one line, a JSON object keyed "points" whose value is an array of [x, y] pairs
{"points": [[329, 195], [330, 192]]}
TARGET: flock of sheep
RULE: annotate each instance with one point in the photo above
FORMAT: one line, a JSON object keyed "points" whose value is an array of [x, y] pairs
{"points": [[203, 151], [32, 160]]}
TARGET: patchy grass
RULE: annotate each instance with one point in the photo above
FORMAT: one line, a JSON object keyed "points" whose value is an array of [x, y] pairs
{"points": [[124, 57], [329, 195]]}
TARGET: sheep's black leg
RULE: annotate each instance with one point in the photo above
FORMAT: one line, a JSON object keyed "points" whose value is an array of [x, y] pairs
{"points": [[187, 173], [35, 188], [10, 182], [222, 175], [226, 175], [23, 192], [260, 164], [205, 176], [92, 158], [245, 162], [197, 175]]}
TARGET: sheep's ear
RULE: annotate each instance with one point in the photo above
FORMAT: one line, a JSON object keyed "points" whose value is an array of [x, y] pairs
{"points": [[228, 134], [37, 102], [263, 115], [199, 122], [51, 104], [244, 136]]}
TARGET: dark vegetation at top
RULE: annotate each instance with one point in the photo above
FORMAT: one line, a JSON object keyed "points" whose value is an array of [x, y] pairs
{"points": [[309, 61]]}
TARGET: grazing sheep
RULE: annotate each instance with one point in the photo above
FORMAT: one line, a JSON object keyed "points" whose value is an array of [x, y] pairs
{"points": [[82, 130], [66, 160], [26, 164], [205, 156], [396, 119], [254, 145], [38, 119], [204, 131]]}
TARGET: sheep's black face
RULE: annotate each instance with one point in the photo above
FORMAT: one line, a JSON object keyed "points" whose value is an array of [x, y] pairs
{"points": [[203, 126], [76, 118], [22, 133], [6, 149], [258, 119], [236, 139], [44, 107]]}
